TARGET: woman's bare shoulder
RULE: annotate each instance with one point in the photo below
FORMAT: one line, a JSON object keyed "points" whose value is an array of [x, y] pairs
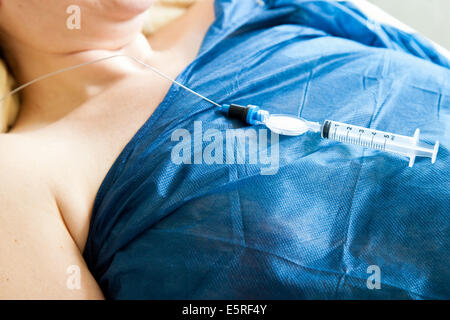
{"points": [[13, 149], [36, 249], [21, 167]]}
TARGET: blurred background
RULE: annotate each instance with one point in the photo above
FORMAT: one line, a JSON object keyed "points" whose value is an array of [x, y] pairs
{"points": [[429, 17]]}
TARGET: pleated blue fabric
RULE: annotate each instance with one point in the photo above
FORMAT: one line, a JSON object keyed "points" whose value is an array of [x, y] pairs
{"points": [[322, 220]]}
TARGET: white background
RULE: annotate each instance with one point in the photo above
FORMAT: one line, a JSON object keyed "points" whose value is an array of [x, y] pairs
{"points": [[430, 17]]}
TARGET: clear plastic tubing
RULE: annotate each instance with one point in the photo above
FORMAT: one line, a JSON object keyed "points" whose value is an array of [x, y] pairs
{"points": [[411, 147]]}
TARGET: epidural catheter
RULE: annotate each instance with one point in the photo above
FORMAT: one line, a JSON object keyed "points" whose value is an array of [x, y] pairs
{"points": [[290, 125]]}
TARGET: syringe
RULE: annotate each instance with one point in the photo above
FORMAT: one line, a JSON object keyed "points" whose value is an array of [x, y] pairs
{"points": [[289, 125], [411, 147]]}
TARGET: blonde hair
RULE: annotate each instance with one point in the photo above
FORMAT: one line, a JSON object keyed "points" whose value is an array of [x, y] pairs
{"points": [[9, 107]]}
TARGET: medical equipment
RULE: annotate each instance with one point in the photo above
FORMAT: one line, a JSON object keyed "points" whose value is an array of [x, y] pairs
{"points": [[294, 126], [288, 125], [411, 147]]}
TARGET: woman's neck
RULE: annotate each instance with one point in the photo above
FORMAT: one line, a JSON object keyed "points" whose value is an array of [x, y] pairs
{"points": [[51, 99]]}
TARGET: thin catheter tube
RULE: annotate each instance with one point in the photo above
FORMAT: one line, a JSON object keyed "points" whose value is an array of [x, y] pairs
{"points": [[54, 73]]}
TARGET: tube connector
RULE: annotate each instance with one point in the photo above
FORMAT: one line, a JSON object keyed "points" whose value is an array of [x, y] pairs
{"points": [[249, 114]]}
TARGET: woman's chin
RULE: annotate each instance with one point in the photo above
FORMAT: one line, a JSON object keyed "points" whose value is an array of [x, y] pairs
{"points": [[126, 9]]}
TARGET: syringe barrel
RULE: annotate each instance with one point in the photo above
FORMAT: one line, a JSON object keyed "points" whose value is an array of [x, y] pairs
{"points": [[364, 137], [379, 140]]}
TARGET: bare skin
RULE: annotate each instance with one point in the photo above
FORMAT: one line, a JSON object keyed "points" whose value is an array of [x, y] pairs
{"points": [[69, 133]]}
